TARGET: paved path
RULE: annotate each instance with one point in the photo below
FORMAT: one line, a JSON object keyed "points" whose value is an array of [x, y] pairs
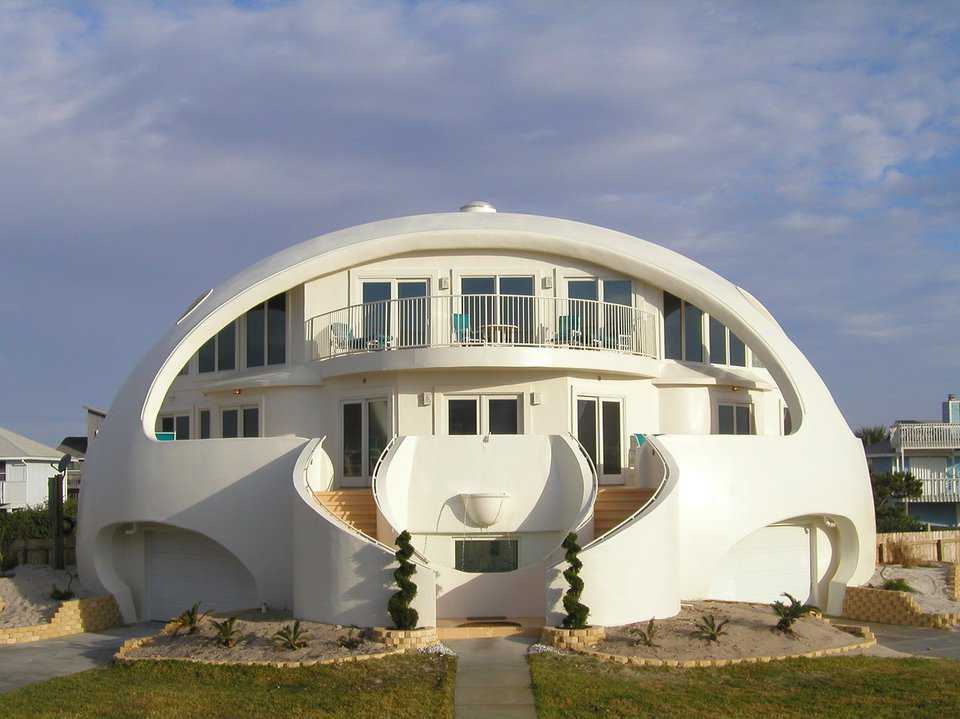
{"points": [[493, 679], [23, 664], [897, 641]]}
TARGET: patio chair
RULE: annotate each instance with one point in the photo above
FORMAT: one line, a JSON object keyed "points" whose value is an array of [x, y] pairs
{"points": [[568, 330], [341, 337], [462, 330]]}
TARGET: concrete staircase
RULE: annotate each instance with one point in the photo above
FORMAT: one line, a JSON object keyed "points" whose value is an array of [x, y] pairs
{"points": [[356, 507], [615, 504]]}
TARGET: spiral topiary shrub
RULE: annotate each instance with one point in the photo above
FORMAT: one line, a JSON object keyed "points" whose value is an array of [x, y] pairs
{"points": [[576, 612], [404, 616]]}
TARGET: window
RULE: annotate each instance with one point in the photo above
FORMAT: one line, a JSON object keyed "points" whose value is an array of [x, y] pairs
{"points": [[504, 416], [497, 300], [267, 332], [486, 555], [220, 351], [726, 347], [178, 424], [738, 351], [787, 421], [600, 427], [3, 470], [682, 329], [462, 416], [204, 424], [240, 422], [366, 430], [404, 322], [734, 419]]}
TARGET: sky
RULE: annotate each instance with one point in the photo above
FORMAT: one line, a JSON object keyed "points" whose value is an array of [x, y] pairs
{"points": [[809, 152]]}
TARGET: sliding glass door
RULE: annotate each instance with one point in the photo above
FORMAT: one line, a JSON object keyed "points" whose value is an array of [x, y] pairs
{"points": [[599, 425]]}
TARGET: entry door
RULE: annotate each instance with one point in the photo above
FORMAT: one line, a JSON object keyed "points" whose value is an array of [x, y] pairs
{"points": [[413, 313], [600, 431]]}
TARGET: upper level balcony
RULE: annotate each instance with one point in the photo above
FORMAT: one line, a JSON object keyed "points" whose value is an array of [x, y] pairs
{"points": [[477, 321], [926, 435]]}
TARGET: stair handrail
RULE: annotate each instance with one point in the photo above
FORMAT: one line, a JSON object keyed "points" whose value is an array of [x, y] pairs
{"points": [[586, 510], [374, 479]]}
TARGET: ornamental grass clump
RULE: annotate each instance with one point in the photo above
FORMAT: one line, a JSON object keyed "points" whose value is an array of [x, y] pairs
{"points": [[644, 636], [790, 613], [404, 616], [190, 620], [709, 629], [290, 637], [227, 633], [576, 612]]}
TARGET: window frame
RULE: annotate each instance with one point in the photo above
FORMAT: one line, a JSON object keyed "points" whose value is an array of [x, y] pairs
{"points": [[241, 420], [174, 416], [514, 540], [216, 351], [287, 327], [603, 476], [482, 400], [366, 471], [751, 418]]}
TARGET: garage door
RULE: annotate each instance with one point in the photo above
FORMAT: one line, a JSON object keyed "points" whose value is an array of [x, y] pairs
{"points": [[763, 565], [185, 567]]}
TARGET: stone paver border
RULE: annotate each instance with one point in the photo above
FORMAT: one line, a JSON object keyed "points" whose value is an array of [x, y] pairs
{"points": [[886, 606], [869, 641], [73, 616], [407, 638]]}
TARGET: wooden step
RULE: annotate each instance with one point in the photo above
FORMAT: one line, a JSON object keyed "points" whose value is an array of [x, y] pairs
{"points": [[615, 504], [354, 507]]}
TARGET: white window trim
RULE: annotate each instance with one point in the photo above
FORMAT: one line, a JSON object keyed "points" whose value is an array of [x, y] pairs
{"points": [[242, 336], [195, 360], [624, 443], [174, 415], [736, 403], [483, 412], [240, 406], [366, 472]]}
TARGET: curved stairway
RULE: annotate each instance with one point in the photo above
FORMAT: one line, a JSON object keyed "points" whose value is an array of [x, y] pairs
{"points": [[355, 507], [615, 504]]}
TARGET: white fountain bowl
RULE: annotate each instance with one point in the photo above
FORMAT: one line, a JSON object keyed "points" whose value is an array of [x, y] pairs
{"points": [[483, 508]]}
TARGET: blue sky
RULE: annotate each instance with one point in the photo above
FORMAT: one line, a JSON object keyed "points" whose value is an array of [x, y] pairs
{"points": [[807, 151]]}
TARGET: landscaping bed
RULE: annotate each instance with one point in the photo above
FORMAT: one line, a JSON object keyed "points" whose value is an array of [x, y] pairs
{"points": [[749, 633], [26, 595], [254, 642], [929, 584], [575, 687], [398, 687]]}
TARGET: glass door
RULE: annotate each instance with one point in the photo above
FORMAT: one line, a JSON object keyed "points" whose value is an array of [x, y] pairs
{"points": [[583, 318], [600, 430], [413, 313], [376, 314], [516, 309]]}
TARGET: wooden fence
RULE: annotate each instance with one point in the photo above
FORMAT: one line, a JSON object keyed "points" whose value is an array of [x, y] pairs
{"points": [[943, 546]]}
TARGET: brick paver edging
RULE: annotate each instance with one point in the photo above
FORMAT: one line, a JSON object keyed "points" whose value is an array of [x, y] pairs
{"points": [[869, 641], [406, 638], [122, 657], [870, 604], [90, 614], [573, 639]]}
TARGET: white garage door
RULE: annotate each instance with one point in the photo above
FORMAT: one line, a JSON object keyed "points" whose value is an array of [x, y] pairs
{"points": [[765, 564], [184, 567]]}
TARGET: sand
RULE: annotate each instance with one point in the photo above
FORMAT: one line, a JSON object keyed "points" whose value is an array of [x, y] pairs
{"points": [[750, 633], [255, 642], [27, 594], [930, 584]]}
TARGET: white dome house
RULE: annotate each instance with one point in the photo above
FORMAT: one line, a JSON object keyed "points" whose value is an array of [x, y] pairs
{"points": [[489, 382]]}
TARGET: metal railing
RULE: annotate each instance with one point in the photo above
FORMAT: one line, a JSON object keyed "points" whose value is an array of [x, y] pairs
{"points": [[482, 320], [926, 435], [940, 489]]}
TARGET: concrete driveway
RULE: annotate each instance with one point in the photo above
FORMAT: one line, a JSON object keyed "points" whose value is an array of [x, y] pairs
{"points": [[23, 664], [897, 641]]}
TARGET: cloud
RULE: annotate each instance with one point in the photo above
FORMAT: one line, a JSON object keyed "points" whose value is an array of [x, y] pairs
{"points": [[808, 151]]}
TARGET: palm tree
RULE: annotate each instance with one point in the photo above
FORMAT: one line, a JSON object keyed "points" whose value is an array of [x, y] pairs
{"points": [[872, 435]]}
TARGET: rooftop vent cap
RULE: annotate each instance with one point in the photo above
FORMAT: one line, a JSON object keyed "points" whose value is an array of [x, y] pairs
{"points": [[478, 206]]}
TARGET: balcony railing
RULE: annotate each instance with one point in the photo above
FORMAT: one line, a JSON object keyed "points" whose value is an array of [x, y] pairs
{"points": [[926, 435], [482, 320], [939, 489]]}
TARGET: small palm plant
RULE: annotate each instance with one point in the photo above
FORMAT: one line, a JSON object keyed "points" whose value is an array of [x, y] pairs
{"points": [[645, 636], [190, 620], [227, 632], [290, 637], [351, 640], [709, 629], [789, 613], [64, 594]]}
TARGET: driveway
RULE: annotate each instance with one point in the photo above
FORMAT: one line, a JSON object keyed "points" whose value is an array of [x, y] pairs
{"points": [[897, 641], [23, 664]]}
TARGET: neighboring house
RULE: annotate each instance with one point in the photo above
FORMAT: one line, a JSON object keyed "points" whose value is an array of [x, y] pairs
{"points": [[929, 450], [24, 470], [489, 382], [76, 447]]}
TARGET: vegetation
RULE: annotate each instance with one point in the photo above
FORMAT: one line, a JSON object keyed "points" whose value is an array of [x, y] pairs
{"points": [[644, 636], [33, 522], [290, 637], [709, 629], [872, 434], [834, 687], [351, 640], [898, 585], [889, 492], [66, 593], [577, 613], [190, 620], [788, 614], [903, 554], [399, 687], [227, 633], [404, 616]]}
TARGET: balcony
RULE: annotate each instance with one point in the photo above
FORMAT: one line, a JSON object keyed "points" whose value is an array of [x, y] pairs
{"points": [[939, 489], [483, 321], [926, 435]]}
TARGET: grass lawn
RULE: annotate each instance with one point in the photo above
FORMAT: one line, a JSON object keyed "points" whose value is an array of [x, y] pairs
{"points": [[834, 687], [391, 688]]}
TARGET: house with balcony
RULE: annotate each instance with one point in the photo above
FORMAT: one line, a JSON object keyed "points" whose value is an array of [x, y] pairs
{"points": [[24, 471], [930, 451], [489, 382]]}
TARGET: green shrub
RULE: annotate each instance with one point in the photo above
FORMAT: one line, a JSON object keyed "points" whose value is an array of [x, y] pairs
{"points": [[644, 636], [404, 616], [898, 585], [227, 633], [33, 522], [350, 640], [290, 637], [709, 629], [190, 620], [577, 613], [789, 613]]}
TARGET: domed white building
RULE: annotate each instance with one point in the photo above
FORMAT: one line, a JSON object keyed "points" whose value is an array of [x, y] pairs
{"points": [[489, 382]]}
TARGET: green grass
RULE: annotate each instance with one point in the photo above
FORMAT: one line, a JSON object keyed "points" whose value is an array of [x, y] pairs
{"points": [[898, 585], [391, 688], [838, 688]]}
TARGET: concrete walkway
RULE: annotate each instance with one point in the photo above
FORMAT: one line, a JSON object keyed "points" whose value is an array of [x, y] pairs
{"points": [[898, 641], [493, 679], [23, 664]]}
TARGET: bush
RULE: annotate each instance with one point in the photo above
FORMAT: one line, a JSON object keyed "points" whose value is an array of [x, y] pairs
{"points": [[33, 522], [577, 613], [709, 629], [898, 585], [404, 616], [290, 637], [227, 633], [350, 640], [190, 620], [790, 613]]}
